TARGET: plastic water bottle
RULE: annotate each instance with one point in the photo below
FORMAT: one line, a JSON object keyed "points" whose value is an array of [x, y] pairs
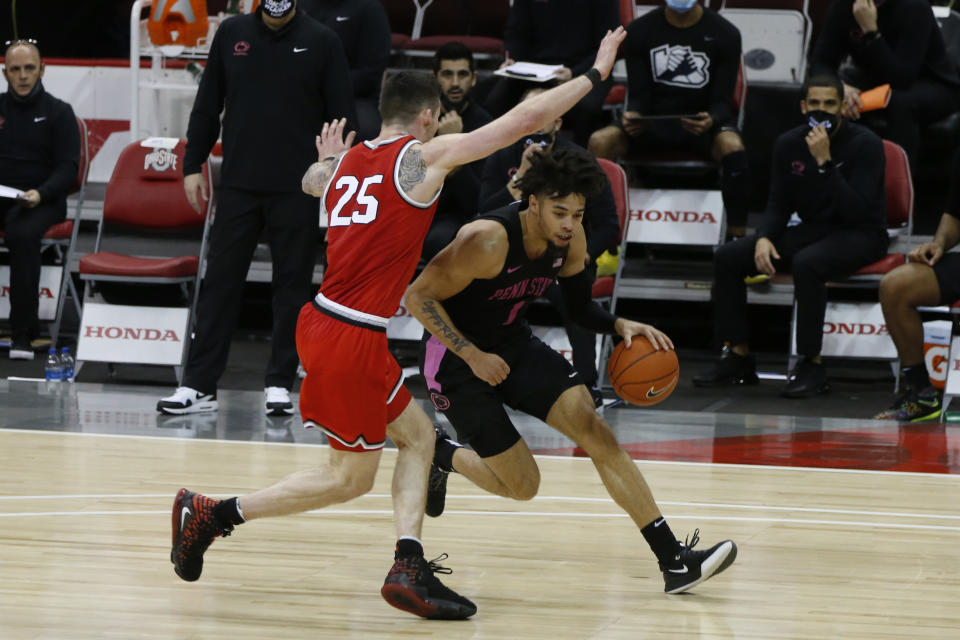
{"points": [[52, 370], [66, 365]]}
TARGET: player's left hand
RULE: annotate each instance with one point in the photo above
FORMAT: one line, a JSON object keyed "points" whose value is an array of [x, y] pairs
{"points": [[629, 328], [818, 141], [30, 198], [699, 125], [330, 142]]}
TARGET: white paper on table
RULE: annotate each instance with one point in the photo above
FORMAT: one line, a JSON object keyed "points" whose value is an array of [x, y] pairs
{"points": [[9, 192], [530, 71]]}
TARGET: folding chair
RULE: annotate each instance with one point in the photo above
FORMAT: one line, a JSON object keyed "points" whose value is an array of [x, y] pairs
{"points": [[144, 198], [605, 287], [68, 230], [472, 23], [775, 35]]}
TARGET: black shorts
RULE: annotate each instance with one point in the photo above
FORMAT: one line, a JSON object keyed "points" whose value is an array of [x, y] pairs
{"points": [[947, 271], [538, 375]]}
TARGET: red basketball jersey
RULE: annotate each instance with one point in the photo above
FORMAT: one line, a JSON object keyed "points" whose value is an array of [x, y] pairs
{"points": [[375, 231]]}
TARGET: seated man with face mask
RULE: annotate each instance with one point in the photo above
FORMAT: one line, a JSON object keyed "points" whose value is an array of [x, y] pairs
{"points": [[830, 172]]}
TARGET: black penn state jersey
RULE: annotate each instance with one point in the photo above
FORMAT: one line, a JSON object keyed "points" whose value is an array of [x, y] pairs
{"points": [[492, 311]]}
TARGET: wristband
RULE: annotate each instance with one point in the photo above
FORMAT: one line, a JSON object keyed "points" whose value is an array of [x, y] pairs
{"points": [[871, 35], [594, 77]]}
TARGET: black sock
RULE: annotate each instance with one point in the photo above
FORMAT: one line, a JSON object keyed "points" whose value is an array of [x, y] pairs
{"points": [[408, 547], [227, 513], [661, 540], [916, 377], [735, 186], [445, 450]]}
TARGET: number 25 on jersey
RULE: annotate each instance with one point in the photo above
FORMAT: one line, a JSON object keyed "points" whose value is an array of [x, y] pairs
{"points": [[366, 203]]}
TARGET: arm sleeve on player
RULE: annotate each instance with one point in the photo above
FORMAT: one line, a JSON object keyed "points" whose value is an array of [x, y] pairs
{"points": [[581, 307]]}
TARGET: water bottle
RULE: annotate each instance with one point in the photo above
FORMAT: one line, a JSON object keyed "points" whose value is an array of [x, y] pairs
{"points": [[66, 365], [52, 371]]}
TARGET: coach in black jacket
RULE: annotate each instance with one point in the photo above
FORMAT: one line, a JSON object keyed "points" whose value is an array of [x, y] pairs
{"points": [[277, 75], [831, 174], [39, 152]]}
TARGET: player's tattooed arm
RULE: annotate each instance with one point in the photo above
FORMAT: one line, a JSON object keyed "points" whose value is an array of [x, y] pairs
{"points": [[441, 326], [318, 175], [413, 169]]}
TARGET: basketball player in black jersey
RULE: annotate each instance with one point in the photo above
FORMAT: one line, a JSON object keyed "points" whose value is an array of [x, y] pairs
{"points": [[482, 355]]}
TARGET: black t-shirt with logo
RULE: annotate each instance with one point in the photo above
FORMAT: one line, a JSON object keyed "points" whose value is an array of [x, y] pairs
{"points": [[672, 70]]}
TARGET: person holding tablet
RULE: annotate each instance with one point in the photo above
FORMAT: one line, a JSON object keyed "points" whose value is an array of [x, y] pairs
{"points": [[682, 63]]}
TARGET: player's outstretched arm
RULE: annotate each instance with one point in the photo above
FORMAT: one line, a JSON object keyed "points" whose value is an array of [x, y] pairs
{"points": [[449, 151], [330, 148], [478, 252]]}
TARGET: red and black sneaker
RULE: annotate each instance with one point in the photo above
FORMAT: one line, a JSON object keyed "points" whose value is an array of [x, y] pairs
{"points": [[412, 586], [194, 529]]}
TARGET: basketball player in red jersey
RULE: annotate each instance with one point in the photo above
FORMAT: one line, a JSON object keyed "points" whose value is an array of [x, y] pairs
{"points": [[472, 298], [380, 196]]}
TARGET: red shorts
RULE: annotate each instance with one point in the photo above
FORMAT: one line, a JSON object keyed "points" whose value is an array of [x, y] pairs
{"points": [[354, 386]]}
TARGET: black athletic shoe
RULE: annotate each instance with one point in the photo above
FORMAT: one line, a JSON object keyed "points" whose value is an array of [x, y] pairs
{"points": [[689, 568], [437, 485], [729, 369], [807, 379], [194, 529], [412, 586]]}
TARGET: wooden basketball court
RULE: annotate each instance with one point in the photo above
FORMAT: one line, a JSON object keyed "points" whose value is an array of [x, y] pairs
{"points": [[85, 538]]}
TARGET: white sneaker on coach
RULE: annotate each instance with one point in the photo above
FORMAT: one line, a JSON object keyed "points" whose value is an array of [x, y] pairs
{"points": [[21, 353], [187, 400], [276, 401]]}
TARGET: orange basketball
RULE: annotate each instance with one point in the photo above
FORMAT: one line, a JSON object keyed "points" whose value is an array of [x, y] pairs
{"points": [[642, 375]]}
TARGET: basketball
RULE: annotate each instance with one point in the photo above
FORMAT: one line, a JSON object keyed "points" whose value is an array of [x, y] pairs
{"points": [[641, 375]]}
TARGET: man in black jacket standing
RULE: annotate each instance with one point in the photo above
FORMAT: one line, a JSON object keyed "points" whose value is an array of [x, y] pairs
{"points": [[39, 152], [895, 42], [365, 33], [277, 75], [831, 173]]}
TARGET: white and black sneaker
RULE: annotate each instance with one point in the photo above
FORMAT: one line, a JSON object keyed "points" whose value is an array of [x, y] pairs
{"points": [[689, 568], [276, 401], [187, 400]]}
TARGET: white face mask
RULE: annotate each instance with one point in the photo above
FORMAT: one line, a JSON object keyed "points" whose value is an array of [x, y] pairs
{"points": [[277, 8], [681, 6]]}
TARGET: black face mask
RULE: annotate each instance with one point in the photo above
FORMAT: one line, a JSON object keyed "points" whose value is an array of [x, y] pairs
{"points": [[543, 140], [830, 121]]}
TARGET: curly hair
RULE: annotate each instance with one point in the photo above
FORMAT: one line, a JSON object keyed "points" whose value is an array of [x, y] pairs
{"points": [[560, 172]]}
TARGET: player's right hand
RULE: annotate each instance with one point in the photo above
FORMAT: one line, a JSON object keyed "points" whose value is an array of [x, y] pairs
{"points": [[191, 185], [928, 253], [607, 53], [489, 367]]}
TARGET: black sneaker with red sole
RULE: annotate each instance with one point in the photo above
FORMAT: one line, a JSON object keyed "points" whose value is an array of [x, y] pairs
{"points": [[412, 586], [194, 529]]}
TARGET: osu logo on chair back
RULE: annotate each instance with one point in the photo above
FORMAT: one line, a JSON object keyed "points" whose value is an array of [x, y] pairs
{"points": [[178, 22]]}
